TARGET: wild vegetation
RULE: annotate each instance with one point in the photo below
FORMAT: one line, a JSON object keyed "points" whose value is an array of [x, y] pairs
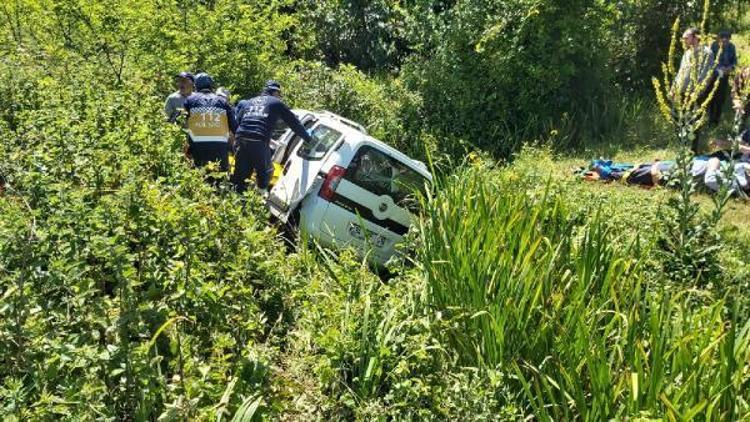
{"points": [[130, 289]]}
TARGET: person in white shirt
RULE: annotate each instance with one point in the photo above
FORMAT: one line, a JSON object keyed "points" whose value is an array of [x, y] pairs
{"points": [[176, 101], [695, 77], [696, 65]]}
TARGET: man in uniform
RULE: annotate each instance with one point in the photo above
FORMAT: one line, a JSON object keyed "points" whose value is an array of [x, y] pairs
{"points": [[257, 118], [211, 124]]}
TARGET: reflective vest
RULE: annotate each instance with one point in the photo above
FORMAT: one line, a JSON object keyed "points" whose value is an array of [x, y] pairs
{"points": [[210, 118]]}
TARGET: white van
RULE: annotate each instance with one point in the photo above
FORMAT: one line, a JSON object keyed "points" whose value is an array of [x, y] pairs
{"points": [[346, 188]]}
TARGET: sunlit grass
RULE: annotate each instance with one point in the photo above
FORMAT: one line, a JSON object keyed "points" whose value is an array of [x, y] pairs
{"points": [[570, 307]]}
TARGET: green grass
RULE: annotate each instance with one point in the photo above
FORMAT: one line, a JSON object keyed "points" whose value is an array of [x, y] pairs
{"points": [[572, 306], [130, 289]]}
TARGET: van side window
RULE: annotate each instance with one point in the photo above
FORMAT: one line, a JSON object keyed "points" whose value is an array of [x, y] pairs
{"points": [[384, 175], [279, 130], [293, 143], [323, 139]]}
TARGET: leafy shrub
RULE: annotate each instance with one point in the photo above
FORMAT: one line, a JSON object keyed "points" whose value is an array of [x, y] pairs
{"points": [[129, 287], [382, 105], [494, 78], [368, 35]]}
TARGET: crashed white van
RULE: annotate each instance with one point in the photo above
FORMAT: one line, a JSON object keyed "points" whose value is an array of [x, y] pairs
{"points": [[346, 188]]}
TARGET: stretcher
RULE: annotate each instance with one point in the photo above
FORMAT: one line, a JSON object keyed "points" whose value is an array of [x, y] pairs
{"points": [[277, 170]]}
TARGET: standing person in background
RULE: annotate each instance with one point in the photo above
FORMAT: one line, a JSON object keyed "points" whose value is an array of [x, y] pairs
{"points": [[176, 101], [695, 65], [727, 61], [210, 124], [695, 71], [257, 118]]}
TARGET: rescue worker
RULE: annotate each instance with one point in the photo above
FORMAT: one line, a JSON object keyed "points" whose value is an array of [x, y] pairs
{"points": [[176, 100], [257, 118], [210, 124]]}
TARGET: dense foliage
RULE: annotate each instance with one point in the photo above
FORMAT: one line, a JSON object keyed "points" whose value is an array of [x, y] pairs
{"points": [[130, 289], [491, 73]]}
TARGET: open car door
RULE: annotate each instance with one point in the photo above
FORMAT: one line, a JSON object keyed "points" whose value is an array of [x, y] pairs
{"points": [[282, 135], [301, 170]]}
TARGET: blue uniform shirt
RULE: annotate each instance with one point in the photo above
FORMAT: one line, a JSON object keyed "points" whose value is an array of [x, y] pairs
{"points": [[257, 118], [728, 58]]}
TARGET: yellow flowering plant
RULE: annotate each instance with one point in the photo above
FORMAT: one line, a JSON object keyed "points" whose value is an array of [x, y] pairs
{"points": [[683, 103], [683, 100]]}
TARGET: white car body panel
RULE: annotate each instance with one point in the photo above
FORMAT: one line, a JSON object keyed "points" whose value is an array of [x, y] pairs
{"points": [[371, 223]]}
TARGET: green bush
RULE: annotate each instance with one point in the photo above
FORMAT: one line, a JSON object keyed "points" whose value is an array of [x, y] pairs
{"points": [[369, 35], [383, 105], [130, 288], [503, 72]]}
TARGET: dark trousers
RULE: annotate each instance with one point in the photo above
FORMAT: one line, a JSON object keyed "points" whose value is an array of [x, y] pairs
{"points": [[204, 153], [207, 152], [251, 155], [717, 103]]}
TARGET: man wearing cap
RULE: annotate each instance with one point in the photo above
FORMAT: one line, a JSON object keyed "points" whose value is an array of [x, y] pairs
{"points": [[257, 118], [176, 101], [727, 61], [210, 124]]}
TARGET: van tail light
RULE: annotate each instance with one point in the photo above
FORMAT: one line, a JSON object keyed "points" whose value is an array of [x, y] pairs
{"points": [[331, 182]]}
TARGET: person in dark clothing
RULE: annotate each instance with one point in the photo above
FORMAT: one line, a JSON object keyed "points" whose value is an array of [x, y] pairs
{"points": [[211, 124], [257, 118], [724, 67]]}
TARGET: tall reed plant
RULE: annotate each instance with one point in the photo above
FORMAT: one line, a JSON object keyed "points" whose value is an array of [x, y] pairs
{"points": [[566, 304]]}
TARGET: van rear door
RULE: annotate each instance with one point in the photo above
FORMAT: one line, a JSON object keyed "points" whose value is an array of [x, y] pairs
{"points": [[372, 204], [301, 170]]}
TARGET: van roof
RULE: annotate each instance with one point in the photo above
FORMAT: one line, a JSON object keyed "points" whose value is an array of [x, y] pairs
{"points": [[355, 134]]}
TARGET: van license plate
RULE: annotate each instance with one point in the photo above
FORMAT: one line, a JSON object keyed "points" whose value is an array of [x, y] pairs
{"points": [[358, 232]]}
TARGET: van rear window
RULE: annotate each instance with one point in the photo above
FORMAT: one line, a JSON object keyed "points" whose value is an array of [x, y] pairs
{"points": [[384, 175], [323, 139]]}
